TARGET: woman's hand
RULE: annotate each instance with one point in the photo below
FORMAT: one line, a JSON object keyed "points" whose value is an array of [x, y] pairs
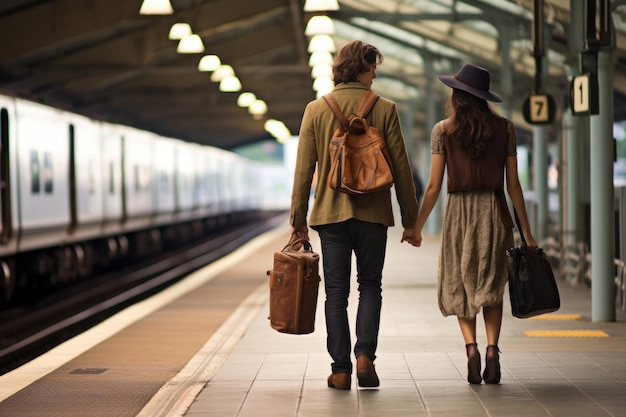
{"points": [[530, 241]]}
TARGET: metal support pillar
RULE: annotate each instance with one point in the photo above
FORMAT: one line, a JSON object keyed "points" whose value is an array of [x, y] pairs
{"points": [[433, 224], [602, 210], [540, 132], [505, 34], [570, 174], [540, 185]]}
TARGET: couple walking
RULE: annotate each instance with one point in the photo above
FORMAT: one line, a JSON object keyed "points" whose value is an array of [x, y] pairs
{"points": [[477, 148]]}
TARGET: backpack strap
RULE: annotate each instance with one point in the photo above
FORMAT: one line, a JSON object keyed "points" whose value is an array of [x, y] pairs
{"points": [[367, 102], [330, 100]]}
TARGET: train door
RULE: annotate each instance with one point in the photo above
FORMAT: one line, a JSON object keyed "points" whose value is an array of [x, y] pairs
{"points": [[163, 187], [86, 177], [8, 222], [5, 180], [186, 166], [112, 178], [137, 154], [201, 184]]}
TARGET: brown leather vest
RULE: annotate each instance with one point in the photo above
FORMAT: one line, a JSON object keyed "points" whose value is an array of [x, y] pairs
{"points": [[486, 172]]}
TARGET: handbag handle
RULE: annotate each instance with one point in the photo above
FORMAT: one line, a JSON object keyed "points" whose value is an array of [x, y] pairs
{"points": [[298, 244], [519, 228]]}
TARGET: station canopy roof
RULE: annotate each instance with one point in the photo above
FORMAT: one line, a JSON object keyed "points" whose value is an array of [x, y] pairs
{"points": [[104, 59]]}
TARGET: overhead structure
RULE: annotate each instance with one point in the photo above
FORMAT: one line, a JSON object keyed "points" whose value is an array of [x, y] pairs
{"points": [[108, 60]]}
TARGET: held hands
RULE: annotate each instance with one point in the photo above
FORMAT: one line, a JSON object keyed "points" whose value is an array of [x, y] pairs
{"points": [[412, 236]]}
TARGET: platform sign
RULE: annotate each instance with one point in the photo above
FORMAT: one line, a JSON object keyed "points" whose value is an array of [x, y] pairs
{"points": [[539, 108], [584, 95]]}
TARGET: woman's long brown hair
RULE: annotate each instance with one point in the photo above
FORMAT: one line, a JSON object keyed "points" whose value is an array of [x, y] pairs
{"points": [[472, 119]]}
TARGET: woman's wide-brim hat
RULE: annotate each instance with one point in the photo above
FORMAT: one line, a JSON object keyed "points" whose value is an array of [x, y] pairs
{"points": [[473, 79]]}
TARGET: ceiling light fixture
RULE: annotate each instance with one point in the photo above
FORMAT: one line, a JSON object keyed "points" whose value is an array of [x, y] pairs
{"points": [[320, 58], [246, 99], [156, 7], [277, 129], [191, 44], [320, 25], [322, 43], [322, 70], [323, 84], [179, 31], [224, 71], [258, 108], [230, 85], [320, 5], [209, 63]]}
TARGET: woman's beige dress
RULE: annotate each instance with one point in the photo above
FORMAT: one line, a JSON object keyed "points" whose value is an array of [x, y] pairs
{"points": [[472, 259]]}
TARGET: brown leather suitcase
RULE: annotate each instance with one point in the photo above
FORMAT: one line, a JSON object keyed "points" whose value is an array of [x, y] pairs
{"points": [[294, 284]]}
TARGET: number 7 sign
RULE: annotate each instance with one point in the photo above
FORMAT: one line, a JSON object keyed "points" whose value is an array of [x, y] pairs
{"points": [[539, 109]]}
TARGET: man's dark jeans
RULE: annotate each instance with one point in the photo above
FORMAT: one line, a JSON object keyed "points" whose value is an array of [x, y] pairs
{"points": [[369, 242]]}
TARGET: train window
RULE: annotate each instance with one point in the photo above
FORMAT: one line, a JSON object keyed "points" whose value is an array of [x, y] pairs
{"points": [[111, 178], [35, 172], [47, 173]]}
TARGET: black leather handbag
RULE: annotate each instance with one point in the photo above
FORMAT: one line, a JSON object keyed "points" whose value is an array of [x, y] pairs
{"points": [[532, 286]]}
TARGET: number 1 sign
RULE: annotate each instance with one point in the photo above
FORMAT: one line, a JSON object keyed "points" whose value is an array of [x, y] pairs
{"points": [[583, 95]]}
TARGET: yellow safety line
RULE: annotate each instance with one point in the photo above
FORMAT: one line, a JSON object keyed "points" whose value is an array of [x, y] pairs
{"points": [[565, 333], [557, 317]]}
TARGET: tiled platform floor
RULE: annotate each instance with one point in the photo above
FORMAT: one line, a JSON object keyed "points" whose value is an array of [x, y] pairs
{"points": [[421, 361]]}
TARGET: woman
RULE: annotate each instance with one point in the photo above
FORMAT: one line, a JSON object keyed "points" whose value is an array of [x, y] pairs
{"points": [[351, 223], [477, 147]]}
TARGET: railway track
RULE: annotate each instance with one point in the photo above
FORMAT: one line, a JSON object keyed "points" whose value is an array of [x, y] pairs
{"points": [[29, 331]]}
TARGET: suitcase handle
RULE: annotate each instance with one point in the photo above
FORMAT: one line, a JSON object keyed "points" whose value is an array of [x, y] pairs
{"points": [[297, 245]]}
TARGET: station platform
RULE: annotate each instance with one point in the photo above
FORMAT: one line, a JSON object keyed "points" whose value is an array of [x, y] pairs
{"points": [[204, 347]]}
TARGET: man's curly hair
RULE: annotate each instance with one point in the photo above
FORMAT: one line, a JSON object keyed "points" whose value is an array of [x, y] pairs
{"points": [[353, 59]]}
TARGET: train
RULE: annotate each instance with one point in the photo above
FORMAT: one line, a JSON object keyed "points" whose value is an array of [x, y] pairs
{"points": [[78, 194]]}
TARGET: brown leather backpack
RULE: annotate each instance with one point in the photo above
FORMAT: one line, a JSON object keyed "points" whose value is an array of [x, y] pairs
{"points": [[359, 159]]}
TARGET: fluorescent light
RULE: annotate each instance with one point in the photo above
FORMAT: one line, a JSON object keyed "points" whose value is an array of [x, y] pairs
{"points": [[156, 7], [209, 63], [223, 71], [179, 31], [246, 99], [191, 44], [320, 5], [320, 25], [230, 85]]}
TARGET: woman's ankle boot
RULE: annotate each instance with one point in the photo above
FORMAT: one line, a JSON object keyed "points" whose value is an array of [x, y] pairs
{"points": [[473, 363], [492, 365]]}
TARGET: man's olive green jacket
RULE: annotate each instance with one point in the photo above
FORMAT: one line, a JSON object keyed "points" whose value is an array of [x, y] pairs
{"points": [[330, 206]]}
